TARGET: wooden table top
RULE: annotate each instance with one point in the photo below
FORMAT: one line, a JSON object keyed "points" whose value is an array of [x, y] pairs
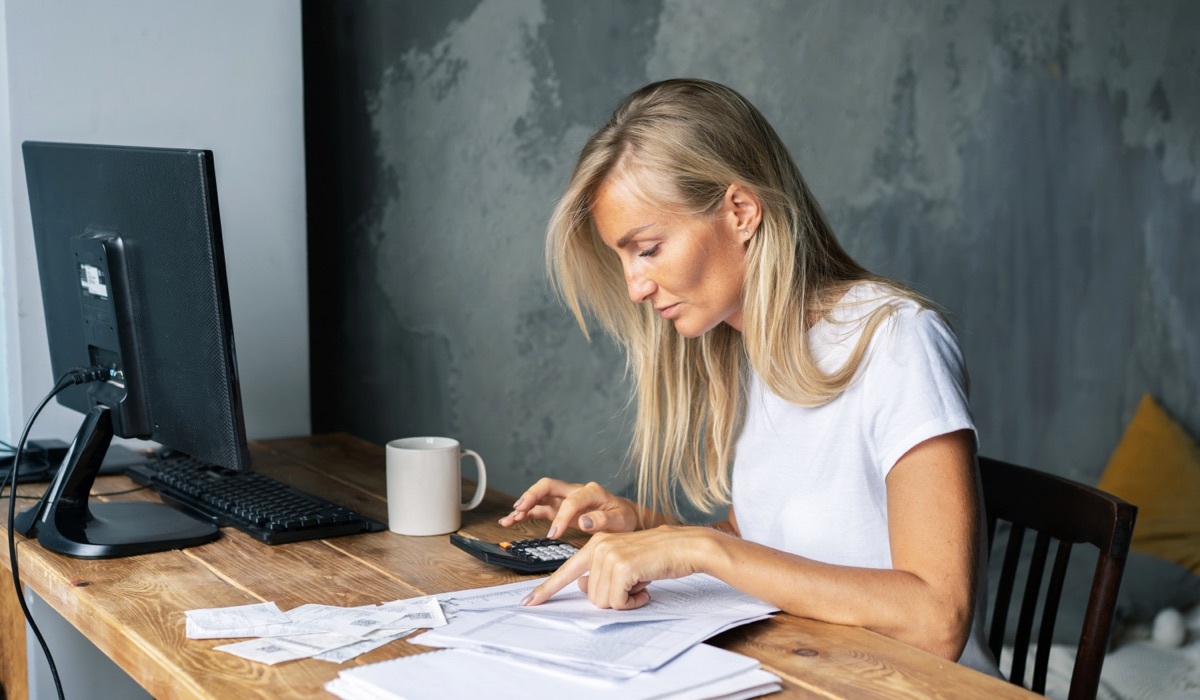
{"points": [[133, 608]]}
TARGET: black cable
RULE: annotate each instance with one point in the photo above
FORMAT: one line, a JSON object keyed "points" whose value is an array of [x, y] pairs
{"points": [[69, 378]]}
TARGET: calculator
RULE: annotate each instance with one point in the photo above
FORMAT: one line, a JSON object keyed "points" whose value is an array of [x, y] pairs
{"points": [[526, 556]]}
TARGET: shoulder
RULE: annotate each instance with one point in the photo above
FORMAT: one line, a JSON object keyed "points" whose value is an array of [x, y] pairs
{"points": [[900, 317], [902, 333]]}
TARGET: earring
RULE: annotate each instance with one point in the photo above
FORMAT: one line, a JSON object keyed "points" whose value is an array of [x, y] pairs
{"points": [[746, 234]]}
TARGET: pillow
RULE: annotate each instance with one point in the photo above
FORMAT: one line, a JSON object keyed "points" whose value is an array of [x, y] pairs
{"points": [[1156, 467], [1149, 584]]}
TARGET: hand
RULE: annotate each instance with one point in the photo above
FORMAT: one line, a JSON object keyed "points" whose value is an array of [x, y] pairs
{"points": [[588, 506], [614, 569]]}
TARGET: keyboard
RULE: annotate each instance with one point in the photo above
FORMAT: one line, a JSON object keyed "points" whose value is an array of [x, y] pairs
{"points": [[258, 505]]}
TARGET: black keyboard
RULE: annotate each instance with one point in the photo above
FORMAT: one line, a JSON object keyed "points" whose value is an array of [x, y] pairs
{"points": [[262, 507]]}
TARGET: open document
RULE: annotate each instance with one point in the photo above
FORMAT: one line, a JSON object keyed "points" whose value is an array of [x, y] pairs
{"points": [[701, 672], [568, 633]]}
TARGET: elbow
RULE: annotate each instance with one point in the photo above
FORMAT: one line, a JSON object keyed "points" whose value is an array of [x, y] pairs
{"points": [[944, 632]]}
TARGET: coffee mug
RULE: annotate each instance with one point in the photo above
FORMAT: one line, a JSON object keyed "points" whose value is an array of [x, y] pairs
{"points": [[424, 485]]}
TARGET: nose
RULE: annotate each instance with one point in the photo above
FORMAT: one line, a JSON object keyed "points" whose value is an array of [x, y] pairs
{"points": [[640, 287]]}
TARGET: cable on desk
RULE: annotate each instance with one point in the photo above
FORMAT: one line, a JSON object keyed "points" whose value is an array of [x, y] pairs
{"points": [[68, 379]]}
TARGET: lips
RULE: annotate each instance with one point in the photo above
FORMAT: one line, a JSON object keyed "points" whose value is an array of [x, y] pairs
{"points": [[669, 311]]}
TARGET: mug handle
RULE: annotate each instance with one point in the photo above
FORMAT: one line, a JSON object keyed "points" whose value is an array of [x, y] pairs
{"points": [[480, 484]]}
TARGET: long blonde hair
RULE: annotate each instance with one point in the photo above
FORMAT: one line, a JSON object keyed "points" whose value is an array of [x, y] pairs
{"points": [[699, 137]]}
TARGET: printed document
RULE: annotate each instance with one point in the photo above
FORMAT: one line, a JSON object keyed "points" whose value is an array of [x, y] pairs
{"points": [[701, 672], [699, 607]]}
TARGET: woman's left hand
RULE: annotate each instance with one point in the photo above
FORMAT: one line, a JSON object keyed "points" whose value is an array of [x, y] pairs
{"points": [[615, 568]]}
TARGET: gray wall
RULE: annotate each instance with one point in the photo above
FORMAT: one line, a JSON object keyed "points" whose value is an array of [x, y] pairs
{"points": [[1030, 165]]}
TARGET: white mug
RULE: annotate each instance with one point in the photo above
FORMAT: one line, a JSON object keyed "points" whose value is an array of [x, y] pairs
{"points": [[424, 485]]}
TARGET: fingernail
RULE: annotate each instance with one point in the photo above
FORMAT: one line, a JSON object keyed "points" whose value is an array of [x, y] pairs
{"points": [[526, 599], [518, 503], [553, 532], [585, 522]]}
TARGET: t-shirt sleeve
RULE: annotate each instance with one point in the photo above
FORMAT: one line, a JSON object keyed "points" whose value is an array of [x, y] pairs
{"points": [[916, 384]]}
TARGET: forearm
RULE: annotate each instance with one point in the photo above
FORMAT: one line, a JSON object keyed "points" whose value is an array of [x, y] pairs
{"points": [[897, 604]]}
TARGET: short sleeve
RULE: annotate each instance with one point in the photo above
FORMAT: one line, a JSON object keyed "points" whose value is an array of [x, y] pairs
{"points": [[915, 384]]}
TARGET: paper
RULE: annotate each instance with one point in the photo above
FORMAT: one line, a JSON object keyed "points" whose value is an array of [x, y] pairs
{"points": [[344, 654], [701, 607], [328, 632], [697, 673], [280, 649], [419, 612], [237, 617], [504, 596]]}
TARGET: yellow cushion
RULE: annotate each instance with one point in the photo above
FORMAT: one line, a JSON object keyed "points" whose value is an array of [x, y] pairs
{"points": [[1156, 467]]}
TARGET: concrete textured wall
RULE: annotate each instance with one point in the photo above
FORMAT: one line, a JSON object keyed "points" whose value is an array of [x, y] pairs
{"points": [[1030, 165]]}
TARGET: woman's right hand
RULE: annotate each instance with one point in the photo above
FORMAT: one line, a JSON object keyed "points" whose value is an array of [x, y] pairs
{"points": [[588, 507]]}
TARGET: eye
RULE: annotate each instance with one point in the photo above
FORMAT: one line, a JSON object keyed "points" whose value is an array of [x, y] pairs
{"points": [[649, 253]]}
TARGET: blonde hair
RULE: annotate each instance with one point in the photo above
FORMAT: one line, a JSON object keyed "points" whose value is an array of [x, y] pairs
{"points": [[698, 137]]}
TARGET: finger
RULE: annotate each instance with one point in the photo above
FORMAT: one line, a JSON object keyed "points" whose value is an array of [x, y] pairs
{"points": [[567, 510], [543, 512], [634, 600], [639, 587], [582, 500], [544, 490], [606, 521], [571, 570]]}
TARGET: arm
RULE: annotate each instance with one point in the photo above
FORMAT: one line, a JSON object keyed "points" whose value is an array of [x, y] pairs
{"points": [[926, 600]]}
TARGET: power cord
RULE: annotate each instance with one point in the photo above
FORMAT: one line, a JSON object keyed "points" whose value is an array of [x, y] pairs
{"points": [[68, 379]]}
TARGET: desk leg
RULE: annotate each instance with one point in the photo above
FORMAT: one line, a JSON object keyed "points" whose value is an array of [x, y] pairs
{"points": [[14, 682]]}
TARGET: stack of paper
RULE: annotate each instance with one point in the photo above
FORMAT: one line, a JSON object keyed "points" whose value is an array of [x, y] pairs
{"points": [[569, 645], [701, 672], [324, 632]]}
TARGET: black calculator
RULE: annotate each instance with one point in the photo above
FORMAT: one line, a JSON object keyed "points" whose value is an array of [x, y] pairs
{"points": [[526, 556]]}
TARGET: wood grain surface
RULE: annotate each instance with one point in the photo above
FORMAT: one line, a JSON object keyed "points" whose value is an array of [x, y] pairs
{"points": [[133, 608]]}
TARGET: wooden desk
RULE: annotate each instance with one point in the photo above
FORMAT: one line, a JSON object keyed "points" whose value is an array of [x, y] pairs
{"points": [[133, 608]]}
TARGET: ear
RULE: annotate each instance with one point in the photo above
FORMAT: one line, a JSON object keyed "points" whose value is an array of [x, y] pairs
{"points": [[742, 210]]}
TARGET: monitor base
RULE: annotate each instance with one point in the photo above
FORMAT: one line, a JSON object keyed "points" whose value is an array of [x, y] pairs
{"points": [[65, 522]]}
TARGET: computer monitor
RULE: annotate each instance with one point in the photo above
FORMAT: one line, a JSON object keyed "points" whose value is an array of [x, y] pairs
{"points": [[132, 272]]}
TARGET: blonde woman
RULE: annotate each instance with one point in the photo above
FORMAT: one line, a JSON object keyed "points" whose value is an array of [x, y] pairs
{"points": [[825, 405]]}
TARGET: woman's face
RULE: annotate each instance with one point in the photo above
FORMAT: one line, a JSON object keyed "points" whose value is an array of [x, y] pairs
{"points": [[690, 268]]}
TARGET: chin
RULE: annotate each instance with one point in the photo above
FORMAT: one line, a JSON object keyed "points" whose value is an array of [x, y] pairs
{"points": [[688, 330]]}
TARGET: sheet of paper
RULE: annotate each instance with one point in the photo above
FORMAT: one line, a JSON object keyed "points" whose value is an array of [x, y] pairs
{"points": [[238, 616], [194, 631], [353, 622], [280, 649], [418, 612], [503, 596], [372, 642], [439, 675]]}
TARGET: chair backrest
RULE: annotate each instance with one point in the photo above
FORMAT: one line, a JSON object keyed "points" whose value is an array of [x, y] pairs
{"points": [[1070, 513]]}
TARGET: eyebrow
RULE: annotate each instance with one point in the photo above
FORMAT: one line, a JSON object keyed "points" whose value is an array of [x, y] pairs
{"points": [[629, 236]]}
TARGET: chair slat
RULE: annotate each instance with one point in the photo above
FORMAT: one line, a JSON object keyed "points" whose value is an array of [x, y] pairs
{"points": [[1008, 574], [1029, 601]]}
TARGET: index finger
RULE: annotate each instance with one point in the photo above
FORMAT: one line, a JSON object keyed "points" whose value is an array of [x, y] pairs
{"points": [[544, 487], [572, 569]]}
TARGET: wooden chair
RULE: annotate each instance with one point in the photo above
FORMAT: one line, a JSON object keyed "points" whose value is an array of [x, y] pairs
{"points": [[1070, 513]]}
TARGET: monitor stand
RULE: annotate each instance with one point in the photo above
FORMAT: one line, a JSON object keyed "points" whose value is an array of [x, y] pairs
{"points": [[66, 523]]}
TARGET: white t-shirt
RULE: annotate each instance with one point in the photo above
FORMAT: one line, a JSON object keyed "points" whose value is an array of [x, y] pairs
{"points": [[811, 481]]}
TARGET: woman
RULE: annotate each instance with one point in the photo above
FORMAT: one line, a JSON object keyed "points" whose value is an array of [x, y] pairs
{"points": [[826, 405]]}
